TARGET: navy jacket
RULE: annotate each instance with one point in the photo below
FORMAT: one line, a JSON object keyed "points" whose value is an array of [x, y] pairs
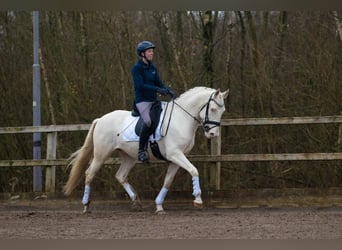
{"points": [[146, 82]]}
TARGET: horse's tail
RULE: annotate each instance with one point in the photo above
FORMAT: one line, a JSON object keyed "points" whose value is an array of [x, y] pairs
{"points": [[79, 161]]}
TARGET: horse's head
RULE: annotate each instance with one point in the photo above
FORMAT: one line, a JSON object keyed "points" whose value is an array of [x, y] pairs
{"points": [[211, 113]]}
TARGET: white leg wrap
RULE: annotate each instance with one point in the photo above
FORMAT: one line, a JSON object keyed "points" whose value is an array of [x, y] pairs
{"points": [[196, 186], [85, 199], [129, 190], [161, 196]]}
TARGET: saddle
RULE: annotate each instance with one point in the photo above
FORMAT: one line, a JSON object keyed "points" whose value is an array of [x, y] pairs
{"points": [[155, 112]]}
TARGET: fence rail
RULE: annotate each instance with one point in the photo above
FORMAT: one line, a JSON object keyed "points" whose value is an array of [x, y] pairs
{"points": [[44, 129], [281, 120], [51, 162], [194, 158]]}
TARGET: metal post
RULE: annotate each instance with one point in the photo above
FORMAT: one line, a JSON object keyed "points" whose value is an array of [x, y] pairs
{"points": [[37, 170]]}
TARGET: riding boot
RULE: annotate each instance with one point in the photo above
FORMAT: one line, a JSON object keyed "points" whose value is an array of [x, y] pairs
{"points": [[143, 143]]}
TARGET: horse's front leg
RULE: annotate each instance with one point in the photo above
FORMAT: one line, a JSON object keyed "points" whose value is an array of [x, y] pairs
{"points": [[170, 175], [180, 159], [197, 192]]}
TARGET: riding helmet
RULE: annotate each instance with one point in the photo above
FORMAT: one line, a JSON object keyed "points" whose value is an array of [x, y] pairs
{"points": [[144, 45]]}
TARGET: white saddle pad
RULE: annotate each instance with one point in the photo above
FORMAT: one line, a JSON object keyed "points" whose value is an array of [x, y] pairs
{"points": [[129, 127]]}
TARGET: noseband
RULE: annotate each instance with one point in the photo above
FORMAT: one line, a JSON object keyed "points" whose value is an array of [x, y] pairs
{"points": [[207, 122]]}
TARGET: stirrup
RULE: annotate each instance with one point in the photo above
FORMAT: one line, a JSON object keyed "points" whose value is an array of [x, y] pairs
{"points": [[143, 156]]}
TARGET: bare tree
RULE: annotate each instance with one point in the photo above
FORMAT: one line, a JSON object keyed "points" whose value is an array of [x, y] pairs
{"points": [[338, 24], [242, 60], [171, 33], [208, 24]]}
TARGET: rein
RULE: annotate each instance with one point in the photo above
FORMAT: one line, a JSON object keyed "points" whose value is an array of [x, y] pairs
{"points": [[173, 104], [187, 111]]}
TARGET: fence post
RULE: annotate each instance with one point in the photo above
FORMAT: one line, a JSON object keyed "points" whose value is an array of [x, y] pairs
{"points": [[50, 180], [339, 139], [215, 171]]}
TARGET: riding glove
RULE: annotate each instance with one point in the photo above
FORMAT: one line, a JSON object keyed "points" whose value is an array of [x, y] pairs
{"points": [[172, 93], [162, 91]]}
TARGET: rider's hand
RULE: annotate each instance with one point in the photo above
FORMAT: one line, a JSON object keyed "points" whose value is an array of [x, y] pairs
{"points": [[172, 93], [163, 91]]}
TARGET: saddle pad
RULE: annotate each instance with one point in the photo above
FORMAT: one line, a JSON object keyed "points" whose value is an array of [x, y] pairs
{"points": [[130, 122]]}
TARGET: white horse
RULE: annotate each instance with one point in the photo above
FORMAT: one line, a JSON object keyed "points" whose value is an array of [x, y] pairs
{"points": [[199, 106]]}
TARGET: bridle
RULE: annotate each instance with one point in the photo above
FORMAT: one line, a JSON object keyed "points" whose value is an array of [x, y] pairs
{"points": [[206, 122]]}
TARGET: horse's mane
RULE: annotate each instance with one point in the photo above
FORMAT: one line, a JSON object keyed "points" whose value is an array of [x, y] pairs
{"points": [[193, 91]]}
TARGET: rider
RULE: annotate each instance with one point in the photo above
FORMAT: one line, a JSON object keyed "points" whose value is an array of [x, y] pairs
{"points": [[147, 84]]}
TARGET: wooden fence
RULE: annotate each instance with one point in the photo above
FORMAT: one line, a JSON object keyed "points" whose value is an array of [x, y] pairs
{"points": [[215, 175]]}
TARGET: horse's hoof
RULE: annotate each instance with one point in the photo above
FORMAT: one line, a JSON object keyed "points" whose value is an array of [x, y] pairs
{"points": [[86, 208], [198, 205], [86, 212], [159, 212], [136, 208], [136, 205]]}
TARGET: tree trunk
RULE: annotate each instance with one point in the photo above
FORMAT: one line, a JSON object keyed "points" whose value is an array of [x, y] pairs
{"points": [[208, 28], [84, 43], [242, 61], [229, 49], [47, 88], [173, 40], [338, 24]]}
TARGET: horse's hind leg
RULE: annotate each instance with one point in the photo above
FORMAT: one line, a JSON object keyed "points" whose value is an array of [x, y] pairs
{"points": [[127, 163], [89, 176], [170, 175]]}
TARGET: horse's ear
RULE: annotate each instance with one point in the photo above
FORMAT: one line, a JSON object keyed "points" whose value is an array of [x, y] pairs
{"points": [[225, 93], [217, 92]]}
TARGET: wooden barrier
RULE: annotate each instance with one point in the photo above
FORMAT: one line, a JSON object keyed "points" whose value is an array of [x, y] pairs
{"points": [[50, 162], [216, 157]]}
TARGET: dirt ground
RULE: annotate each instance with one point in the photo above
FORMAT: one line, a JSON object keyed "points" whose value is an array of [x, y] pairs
{"points": [[63, 219]]}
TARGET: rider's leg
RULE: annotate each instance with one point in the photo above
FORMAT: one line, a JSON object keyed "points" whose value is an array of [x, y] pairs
{"points": [[143, 143], [144, 110]]}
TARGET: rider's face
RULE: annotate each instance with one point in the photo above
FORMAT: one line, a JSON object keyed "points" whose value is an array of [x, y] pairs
{"points": [[149, 54]]}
